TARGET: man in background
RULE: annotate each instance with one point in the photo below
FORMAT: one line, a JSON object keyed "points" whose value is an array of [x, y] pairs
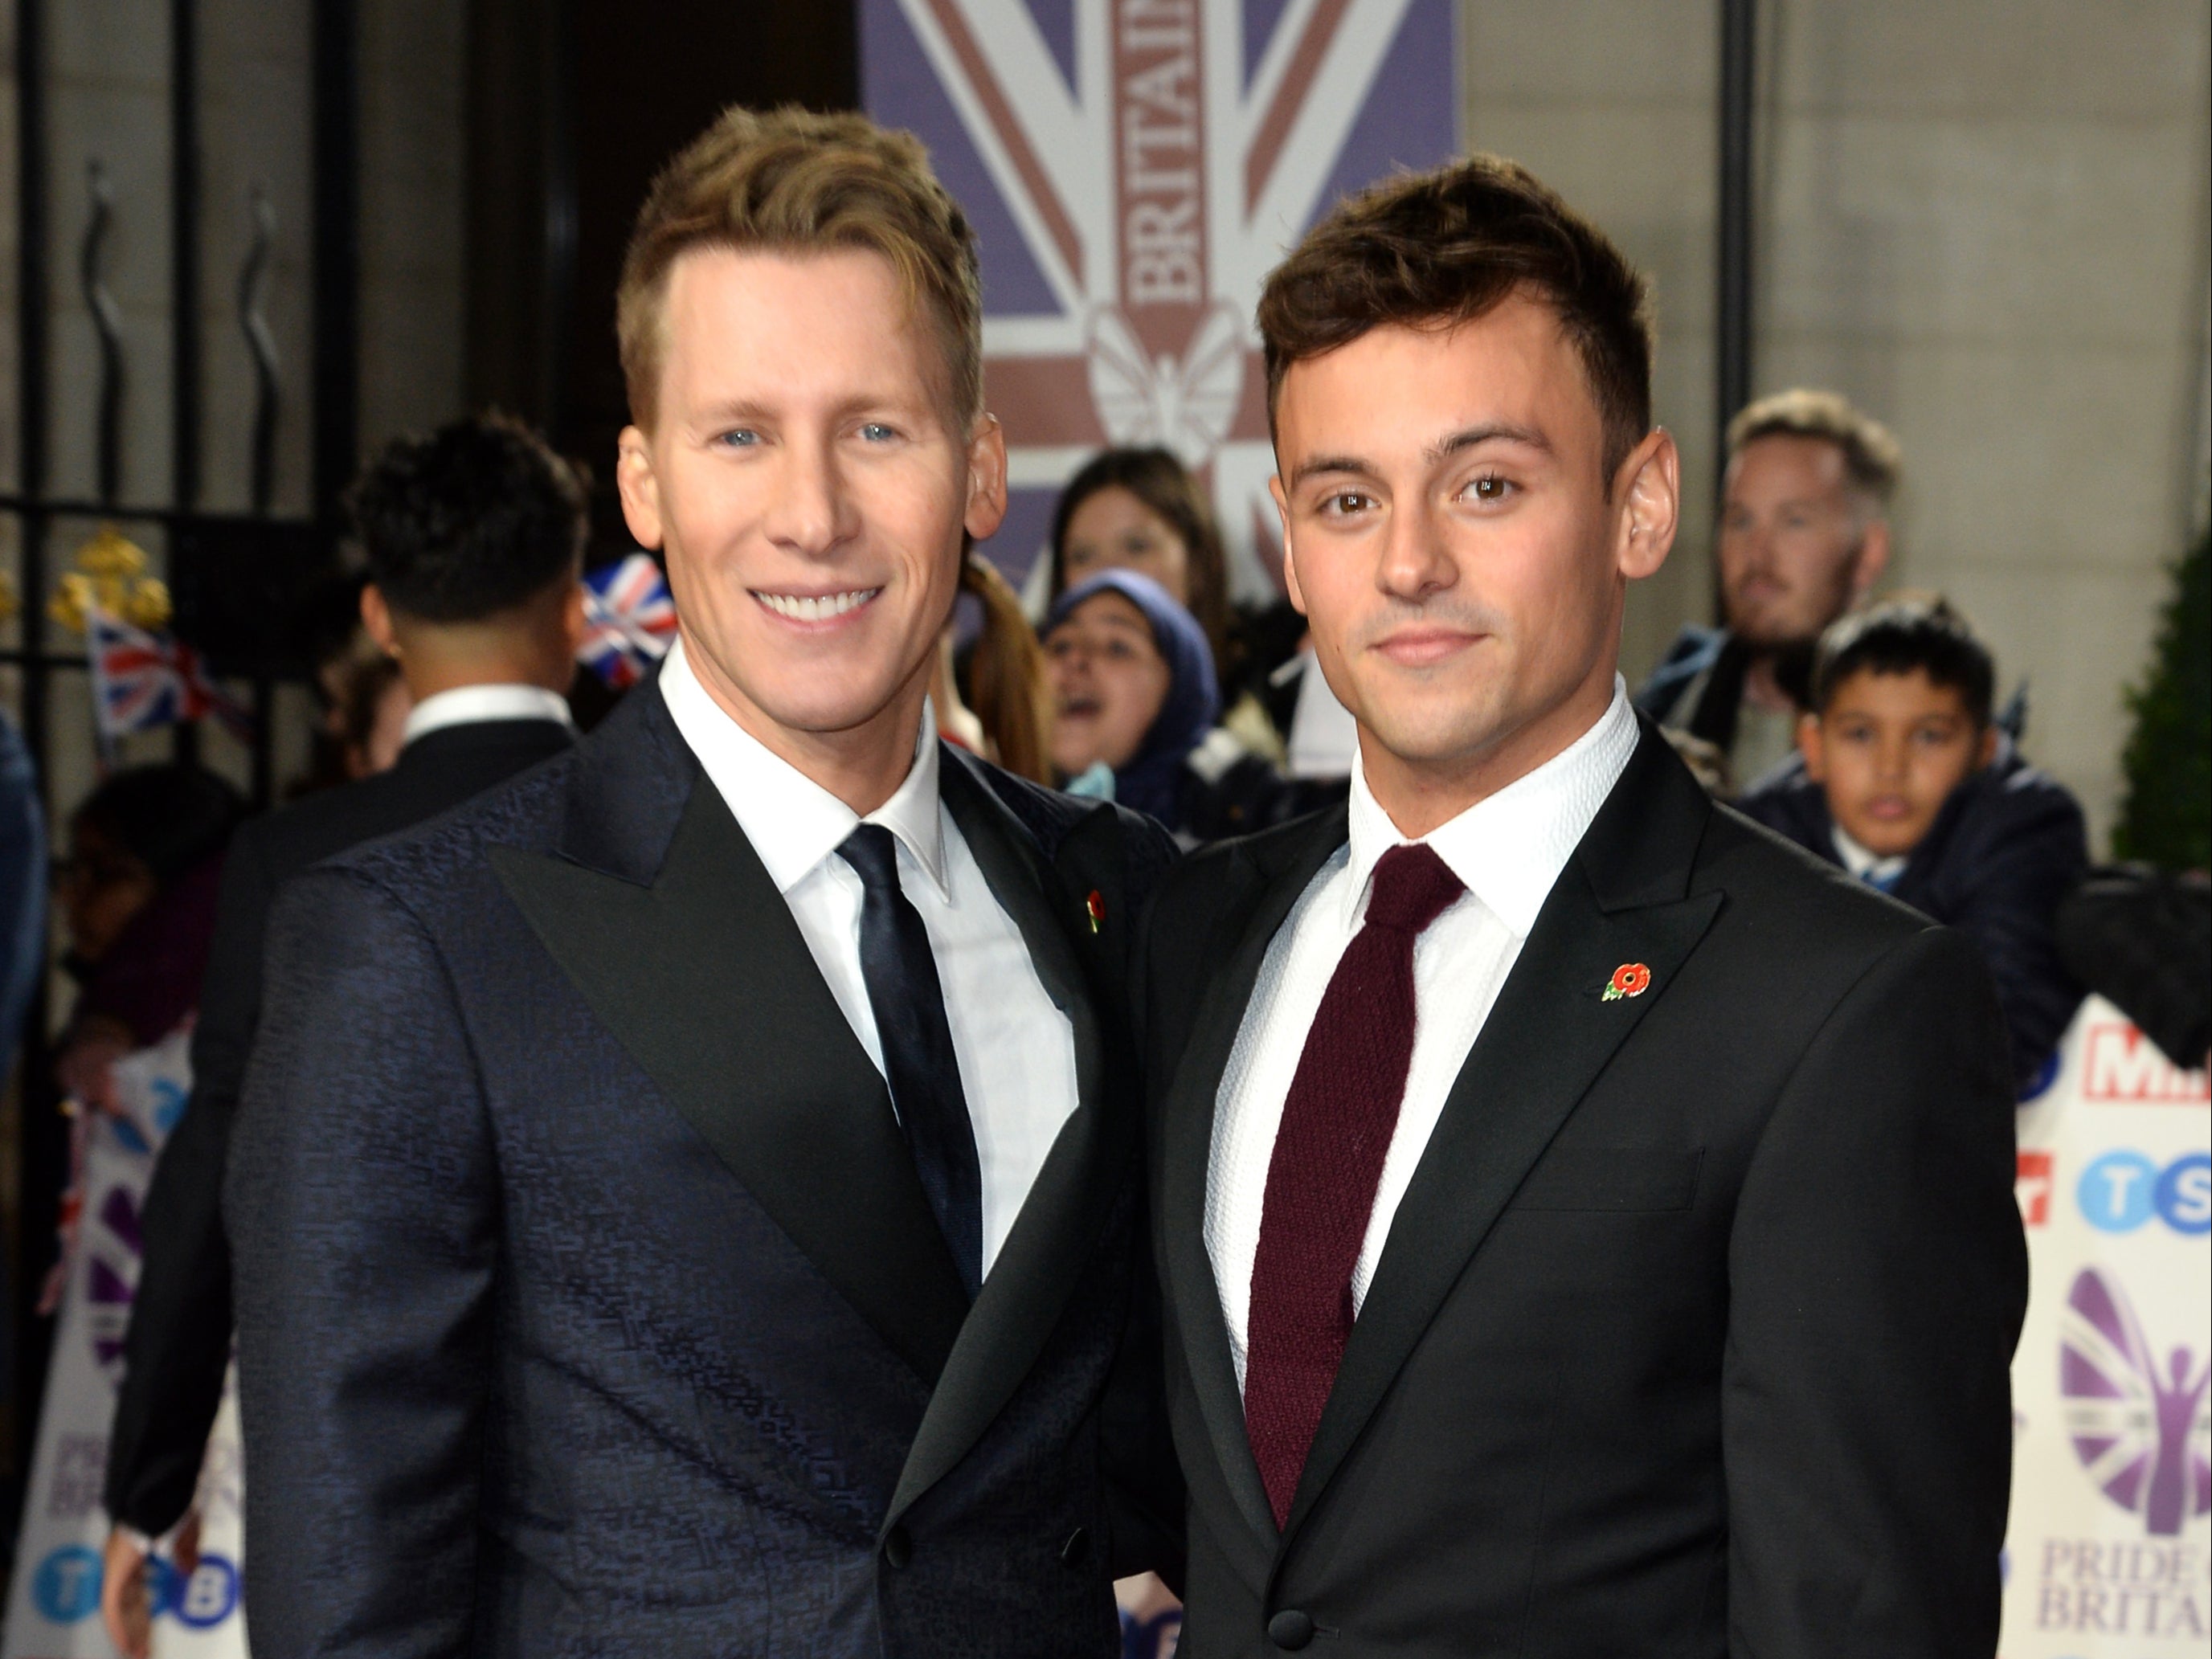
{"points": [[1804, 535], [474, 536]]}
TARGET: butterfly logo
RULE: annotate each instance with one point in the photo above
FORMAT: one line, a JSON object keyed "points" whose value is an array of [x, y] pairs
{"points": [[1188, 406], [2143, 1429]]}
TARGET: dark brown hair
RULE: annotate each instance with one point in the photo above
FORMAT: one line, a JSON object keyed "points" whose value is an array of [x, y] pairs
{"points": [[1164, 483], [1898, 635], [1433, 250], [793, 181], [1005, 675]]}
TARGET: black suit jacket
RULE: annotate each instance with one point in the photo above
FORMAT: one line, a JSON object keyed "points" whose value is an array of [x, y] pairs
{"points": [[588, 1300], [179, 1344], [1692, 1333]]}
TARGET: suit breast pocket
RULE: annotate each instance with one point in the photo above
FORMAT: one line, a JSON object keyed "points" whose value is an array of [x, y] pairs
{"points": [[1624, 1179]]}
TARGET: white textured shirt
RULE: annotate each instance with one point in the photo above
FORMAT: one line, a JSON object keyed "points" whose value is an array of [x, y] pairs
{"points": [[1508, 849], [1015, 1048], [466, 705]]}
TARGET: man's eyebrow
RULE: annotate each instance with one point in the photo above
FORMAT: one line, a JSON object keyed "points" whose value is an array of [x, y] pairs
{"points": [[1444, 448], [1317, 464]]}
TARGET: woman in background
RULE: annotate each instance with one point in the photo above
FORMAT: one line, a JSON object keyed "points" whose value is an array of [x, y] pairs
{"points": [[1141, 510], [1134, 702]]}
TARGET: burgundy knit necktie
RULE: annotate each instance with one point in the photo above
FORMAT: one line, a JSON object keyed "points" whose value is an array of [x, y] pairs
{"points": [[1337, 1124]]}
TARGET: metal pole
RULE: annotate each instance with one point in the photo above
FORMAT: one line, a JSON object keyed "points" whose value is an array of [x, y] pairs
{"points": [[44, 1145], [337, 349], [185, 252], [1733, 322]]}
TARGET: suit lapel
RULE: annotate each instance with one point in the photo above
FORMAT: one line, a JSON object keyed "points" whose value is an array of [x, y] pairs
{"points": [[1187, 1151], [663, 917], [1059, 1225], [1622, 899]]}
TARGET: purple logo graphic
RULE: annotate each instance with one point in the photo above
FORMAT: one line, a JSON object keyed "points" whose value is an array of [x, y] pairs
{"points": [[2143, 1429], [116, 1245]]}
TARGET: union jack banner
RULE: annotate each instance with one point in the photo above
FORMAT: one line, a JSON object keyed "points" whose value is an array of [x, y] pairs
{"points": [[629, 620], [1133, 168], [141, 681]]}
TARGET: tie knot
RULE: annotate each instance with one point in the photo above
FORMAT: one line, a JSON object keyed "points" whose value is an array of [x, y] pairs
{"points": [[873, 852], [1413, 888]]}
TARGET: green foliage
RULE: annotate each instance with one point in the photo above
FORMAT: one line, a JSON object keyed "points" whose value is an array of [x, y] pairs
{"points": [[2167, 819]]}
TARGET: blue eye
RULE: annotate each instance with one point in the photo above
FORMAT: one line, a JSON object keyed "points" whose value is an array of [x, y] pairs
{"points": [[876, 433], [742, 437]]}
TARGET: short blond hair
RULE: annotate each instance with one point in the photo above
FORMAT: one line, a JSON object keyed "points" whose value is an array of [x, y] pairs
{"points": [[1872, 457], [795, 181]]}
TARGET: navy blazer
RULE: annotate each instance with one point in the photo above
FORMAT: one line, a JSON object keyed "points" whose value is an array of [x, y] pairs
{"points": [[588, 1301]]}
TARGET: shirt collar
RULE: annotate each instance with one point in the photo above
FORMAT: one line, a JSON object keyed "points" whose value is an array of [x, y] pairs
{"points": [[467, 705], [1509, 847], [793, 822], [1863, 862]]}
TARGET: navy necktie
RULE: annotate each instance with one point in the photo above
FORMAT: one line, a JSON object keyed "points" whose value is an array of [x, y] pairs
{"points": [[900, 971]]}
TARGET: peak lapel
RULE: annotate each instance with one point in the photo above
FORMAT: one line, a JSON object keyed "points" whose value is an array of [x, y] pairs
{"points": [[1187, 1149], [1623, 898], [1028, 1284], [663, 917]]}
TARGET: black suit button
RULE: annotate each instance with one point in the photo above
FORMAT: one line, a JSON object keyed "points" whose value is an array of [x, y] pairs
{"points": [[1072, 1553], [898, 1548], [1291, 1629]]}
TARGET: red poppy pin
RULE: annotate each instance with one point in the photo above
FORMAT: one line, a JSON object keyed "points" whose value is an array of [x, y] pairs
{"points": [[1095, 907], [1630, 979]]}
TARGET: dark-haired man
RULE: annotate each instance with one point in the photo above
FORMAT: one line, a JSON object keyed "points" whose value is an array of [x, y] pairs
{"points": [[1804, 534], [1585, 1223], [473, 536]]}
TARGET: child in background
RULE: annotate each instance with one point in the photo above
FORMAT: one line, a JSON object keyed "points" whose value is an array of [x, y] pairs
{"points": [[1904, 779]]}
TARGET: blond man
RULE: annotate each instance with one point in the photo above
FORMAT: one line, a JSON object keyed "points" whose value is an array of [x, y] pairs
{"points": [[1804, 535], [685, 1199]]}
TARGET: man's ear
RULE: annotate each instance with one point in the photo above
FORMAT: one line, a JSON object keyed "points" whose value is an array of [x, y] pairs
{"points": [[1290, 562], [1808, 746], [376, 618], [571, 619], [986, 478], [1986, 752], [639, 487], [1872, 559], [1648, 486]]}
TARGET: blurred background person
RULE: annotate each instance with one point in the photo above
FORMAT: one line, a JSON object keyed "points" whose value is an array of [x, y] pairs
{"points": [[361, 698], [474, 537], [1804, 534], [1141, 510], [1134, 703], [23, 878], [137, 896], [1905, 781], [1005, 712]]}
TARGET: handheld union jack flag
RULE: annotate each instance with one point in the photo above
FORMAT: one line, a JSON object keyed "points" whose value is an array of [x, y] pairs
{"points": [[142, 680], [1133, 168], [629, 620]]}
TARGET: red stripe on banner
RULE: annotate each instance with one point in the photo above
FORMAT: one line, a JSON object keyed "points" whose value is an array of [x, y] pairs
{"points": [[1043, 402], [1289, 98], [1058, 225]]}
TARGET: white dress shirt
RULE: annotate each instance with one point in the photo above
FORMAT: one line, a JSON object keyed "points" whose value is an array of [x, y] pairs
{"points": [[1015, 1048], [1508, 849], [465, 705]]}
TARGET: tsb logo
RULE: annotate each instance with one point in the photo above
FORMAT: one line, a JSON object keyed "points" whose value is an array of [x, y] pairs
{"points": [[2121, 1191]]}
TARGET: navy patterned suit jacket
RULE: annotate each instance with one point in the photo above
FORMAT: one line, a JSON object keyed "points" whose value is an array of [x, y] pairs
{"points": [[588, 1301]]}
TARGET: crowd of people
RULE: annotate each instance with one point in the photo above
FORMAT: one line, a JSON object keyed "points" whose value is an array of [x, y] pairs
{"points": [[1028, 1278]]}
